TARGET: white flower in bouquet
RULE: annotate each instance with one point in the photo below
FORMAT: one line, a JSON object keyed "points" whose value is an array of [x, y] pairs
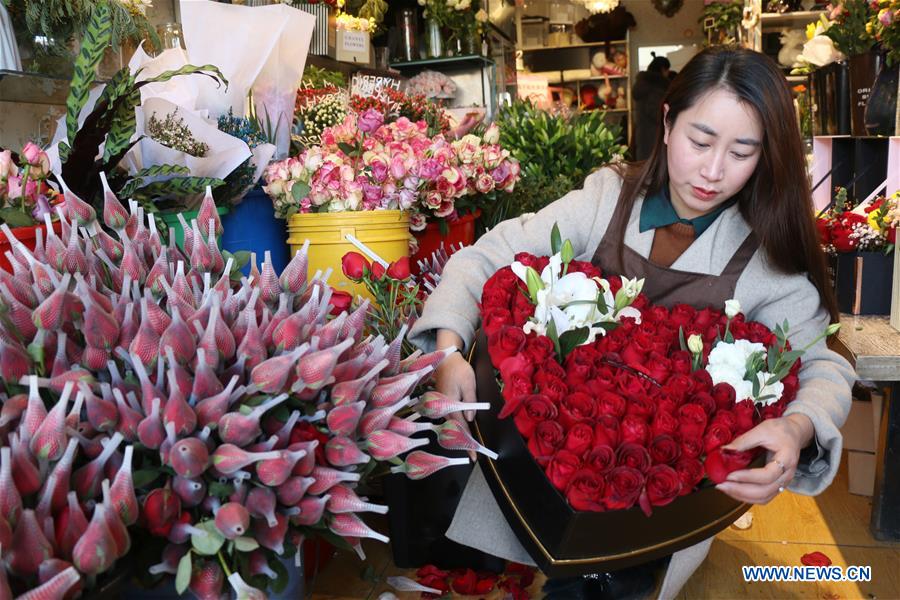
{"points": [[729, 363], [732, 308], [573, 300]]}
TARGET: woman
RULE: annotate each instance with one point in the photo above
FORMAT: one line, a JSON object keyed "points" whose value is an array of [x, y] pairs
{"points": [[647, 97], [721, 209]]}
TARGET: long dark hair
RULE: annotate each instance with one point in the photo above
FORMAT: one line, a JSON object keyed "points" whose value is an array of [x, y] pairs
{"points": [[776, 200]]}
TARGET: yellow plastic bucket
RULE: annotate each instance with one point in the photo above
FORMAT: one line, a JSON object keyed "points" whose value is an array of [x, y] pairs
{"points": [[385, 232]]}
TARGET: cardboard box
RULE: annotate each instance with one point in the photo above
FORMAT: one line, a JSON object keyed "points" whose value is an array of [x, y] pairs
{"points": [[859, 433], [861, 471]]}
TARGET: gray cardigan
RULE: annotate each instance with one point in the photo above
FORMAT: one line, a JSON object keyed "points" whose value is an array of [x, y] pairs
{"points": [[765, 295]]}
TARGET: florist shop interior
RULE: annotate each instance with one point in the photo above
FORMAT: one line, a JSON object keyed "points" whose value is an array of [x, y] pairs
{"points": [[289, 308]]}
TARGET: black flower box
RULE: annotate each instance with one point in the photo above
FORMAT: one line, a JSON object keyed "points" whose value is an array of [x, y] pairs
{"points": [[565, 542], [863, 282]]}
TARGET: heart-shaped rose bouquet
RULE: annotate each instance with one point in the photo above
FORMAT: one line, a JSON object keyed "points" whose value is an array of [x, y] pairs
{"points": [[621, 401]]}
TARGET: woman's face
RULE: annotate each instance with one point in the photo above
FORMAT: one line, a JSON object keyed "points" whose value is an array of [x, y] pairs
{"points": [[713, 149]]}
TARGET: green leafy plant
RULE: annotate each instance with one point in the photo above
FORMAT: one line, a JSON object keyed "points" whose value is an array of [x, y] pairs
{"points": [[849, 32], [572, 146], [111, 124], [722, 16], [57, 23], [315, 77]]}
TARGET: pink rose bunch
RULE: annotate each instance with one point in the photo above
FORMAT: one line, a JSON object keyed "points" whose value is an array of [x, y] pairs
{"points": [[367, 164], [23, 187]]}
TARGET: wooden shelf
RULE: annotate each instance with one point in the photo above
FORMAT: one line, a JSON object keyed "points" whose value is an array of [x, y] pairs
{"points": [[586, 45], [790, 19]]}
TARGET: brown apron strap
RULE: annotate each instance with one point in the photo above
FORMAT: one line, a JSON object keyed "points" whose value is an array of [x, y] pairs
{"points": [[614, 236], [741, 257]]}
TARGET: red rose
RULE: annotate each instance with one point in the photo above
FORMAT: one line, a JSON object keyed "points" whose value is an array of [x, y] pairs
{"points": [[600, 459], [635, 430], [723, 394], [585, 491], [635, 353], [702, 381], [547, 439], [663, 485], [682, 315], [641, 406], [529, 260], [761, 334], [690, 471], [720, 462], [579, 438], [610, 403], [704, 401], [553, 388], [434, 582], [576, 408], [378, 271], [550, 369], [717, 435], [659, 368], [744, 416], [892, 235], [354, 266], [496, 298], [706, 318], [824, 227], [515, 388], [540, 350], [562, 466], [726, 418], [664, 450], [534, 409], [399, 269], [464, 583], [486, 583], [679, 386], [664, 423], [432, 571], [624, 485], [340, 302], [580, 365], [630, 385], [791, 384], [634, 456], [681, 362], [505, 343], [815, 559], [606, 431], [515, 364], [691, 446], [691, 420], [493, 319]]}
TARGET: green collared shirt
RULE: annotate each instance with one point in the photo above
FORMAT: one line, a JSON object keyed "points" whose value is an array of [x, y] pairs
{"points": [[657, 211]]}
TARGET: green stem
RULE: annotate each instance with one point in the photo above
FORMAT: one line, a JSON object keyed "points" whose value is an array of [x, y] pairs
{"points": [[25, 177], [222, 562]]}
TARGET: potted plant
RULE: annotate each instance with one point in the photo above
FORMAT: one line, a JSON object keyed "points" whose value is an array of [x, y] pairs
{"points": [[48, 30]]}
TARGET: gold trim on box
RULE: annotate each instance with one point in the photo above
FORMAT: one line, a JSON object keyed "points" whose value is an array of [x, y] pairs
{"points": [[730, 516]]}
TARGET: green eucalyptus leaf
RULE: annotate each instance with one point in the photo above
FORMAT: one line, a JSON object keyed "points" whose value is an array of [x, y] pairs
{"points": [[210, 541], [245, 544], [299, 191], [183, 576]]}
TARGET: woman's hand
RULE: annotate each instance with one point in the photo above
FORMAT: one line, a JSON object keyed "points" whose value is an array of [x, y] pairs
{"points": [[783, 438], [455, 378]]}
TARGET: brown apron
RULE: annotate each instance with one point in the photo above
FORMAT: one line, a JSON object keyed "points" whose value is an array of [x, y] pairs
{"points": [[666, 286]]}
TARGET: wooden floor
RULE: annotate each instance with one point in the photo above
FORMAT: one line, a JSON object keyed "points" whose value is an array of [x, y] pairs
{"points": [[835, 523]]}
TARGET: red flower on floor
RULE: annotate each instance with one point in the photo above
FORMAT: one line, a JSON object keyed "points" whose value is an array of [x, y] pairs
{"points": [[815, 559]]}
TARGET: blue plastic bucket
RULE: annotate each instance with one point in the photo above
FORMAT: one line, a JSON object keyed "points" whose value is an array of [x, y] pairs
{"points": [[252, 226]]}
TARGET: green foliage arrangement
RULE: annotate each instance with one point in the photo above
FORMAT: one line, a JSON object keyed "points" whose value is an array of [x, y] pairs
{"points": [[571, 147]]}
